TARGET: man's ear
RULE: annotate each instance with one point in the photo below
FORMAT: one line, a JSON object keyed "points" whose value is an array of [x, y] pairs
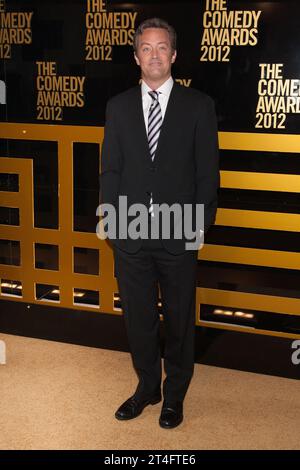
{"points": [[136, 59], [173, 58]]}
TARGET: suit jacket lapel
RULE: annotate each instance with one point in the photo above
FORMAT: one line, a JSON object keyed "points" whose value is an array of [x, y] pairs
{"points": [[136, 108], [169, 122]]}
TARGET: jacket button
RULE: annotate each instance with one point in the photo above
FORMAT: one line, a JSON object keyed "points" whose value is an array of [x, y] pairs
{"points": [[152, 168]]}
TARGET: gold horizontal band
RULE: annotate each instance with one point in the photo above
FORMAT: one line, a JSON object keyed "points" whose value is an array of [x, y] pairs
{"points": [[258, 219], [242, 329], [251, 256], [233, 299], [260, 181], [259, 142], [9, 199], [53, 132]]}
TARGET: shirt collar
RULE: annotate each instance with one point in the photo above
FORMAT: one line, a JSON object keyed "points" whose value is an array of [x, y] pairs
{"points": [[165, 88]]}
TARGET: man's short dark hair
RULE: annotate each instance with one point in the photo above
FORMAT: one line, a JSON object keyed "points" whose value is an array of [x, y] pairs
{"points": [[155, 23]]}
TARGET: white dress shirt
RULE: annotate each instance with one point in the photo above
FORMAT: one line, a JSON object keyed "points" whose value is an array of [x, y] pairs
{"points": [[163, 98]]}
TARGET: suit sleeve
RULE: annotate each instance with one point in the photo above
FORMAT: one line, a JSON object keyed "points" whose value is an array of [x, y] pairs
{"points": [[207, 162], [111, 160]]}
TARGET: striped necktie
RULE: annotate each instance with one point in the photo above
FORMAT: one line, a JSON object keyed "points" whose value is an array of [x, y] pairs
{"points": [[154, 125]]}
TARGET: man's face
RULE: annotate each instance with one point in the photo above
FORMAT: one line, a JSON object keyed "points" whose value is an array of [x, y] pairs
{"points": [[154, 55]]}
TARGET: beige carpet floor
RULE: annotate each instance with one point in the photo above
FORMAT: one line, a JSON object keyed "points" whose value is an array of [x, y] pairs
{"points": [[62, 396]]}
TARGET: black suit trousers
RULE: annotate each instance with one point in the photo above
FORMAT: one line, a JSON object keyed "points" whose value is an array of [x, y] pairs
{"points": [[140, 276]]}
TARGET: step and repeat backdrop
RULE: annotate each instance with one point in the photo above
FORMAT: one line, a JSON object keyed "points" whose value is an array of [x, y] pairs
{"points": [[61, 60]]}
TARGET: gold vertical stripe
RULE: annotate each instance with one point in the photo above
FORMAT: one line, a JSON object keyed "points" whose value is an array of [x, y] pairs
{"points": [[65, 201], [26, 224]]}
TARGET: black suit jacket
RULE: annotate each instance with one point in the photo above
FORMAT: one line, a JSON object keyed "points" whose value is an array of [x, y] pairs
{"points": [[185, 168]]}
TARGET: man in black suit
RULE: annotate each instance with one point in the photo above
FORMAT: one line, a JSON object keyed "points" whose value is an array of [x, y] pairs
{"points": [[160, 147]]}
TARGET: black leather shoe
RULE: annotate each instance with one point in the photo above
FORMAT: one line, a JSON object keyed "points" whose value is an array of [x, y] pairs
{"points": [[171, 415], [133, 407]]}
